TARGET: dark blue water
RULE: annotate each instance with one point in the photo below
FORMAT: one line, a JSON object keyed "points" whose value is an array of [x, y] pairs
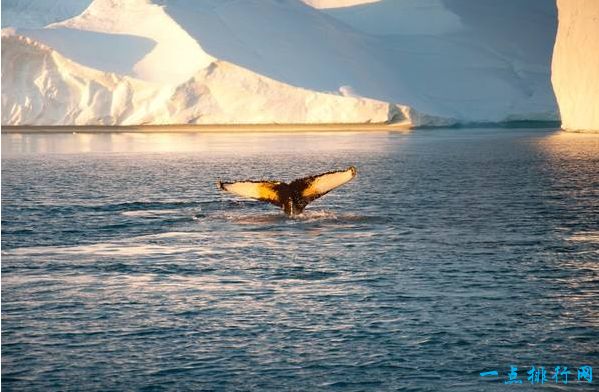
{"points": [[452, 253]]}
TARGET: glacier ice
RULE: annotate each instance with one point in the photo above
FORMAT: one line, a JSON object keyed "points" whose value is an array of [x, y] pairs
{"points": [[426, 62]]}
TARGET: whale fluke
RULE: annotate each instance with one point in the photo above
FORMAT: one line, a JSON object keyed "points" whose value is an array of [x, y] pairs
{"points": [[268, 191], [292, 197]]}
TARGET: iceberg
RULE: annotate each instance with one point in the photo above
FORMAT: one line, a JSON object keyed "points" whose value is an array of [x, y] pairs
{"points": [[408, 62], [575, 68]]}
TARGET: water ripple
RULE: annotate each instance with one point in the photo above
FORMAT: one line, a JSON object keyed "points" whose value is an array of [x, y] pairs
{"points": [[450, 254]]}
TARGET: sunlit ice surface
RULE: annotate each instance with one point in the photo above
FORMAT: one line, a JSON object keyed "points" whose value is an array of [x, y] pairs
{"points": [[453, 252]]}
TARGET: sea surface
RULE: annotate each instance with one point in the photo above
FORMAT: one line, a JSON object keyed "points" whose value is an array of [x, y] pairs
{"points": [[453, 252]]}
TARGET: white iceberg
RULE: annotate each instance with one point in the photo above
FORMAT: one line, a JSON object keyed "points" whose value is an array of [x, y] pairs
{"points": [[575, 73], [418, 63]]}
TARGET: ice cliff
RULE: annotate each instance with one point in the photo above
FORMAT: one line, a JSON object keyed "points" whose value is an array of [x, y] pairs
{"points": [[418, 62], [575, 73]]}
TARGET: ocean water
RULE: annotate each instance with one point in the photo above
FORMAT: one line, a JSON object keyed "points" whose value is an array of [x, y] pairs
{"points": [[453, 252]]}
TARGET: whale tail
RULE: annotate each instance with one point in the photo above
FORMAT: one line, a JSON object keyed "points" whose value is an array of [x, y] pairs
{"points": [[292, 197]]}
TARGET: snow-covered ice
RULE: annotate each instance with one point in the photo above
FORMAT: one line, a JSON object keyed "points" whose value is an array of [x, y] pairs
{"points": [[419, 62]]}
